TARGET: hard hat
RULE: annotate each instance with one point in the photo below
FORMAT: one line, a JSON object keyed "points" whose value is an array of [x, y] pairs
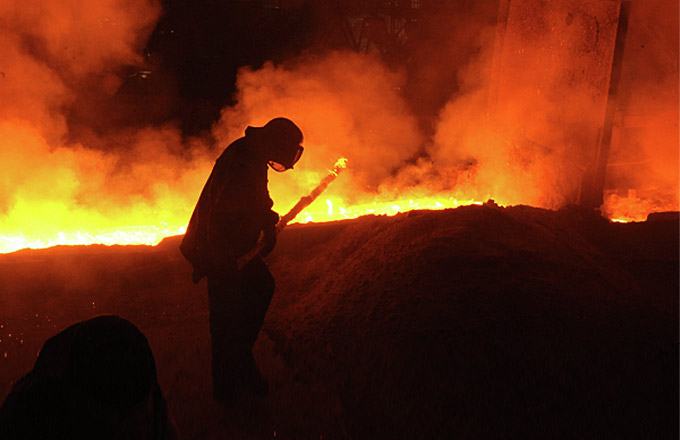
{"points": [[285, 138]]}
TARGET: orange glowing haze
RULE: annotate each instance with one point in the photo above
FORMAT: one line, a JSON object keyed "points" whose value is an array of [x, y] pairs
{"points": [[511, 132]]}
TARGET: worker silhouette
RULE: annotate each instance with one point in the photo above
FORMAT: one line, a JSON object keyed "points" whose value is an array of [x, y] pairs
{"points": [[96, 379], [232, 213]]}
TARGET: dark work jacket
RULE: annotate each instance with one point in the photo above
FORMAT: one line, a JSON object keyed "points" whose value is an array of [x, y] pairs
{"points": [[234, 207]]}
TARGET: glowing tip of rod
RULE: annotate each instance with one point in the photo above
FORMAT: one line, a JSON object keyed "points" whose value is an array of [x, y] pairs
{"points": [[341, 163]]}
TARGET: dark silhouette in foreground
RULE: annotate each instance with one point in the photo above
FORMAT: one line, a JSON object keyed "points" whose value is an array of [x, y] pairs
{"points": [[96, 379], [232, 213]]}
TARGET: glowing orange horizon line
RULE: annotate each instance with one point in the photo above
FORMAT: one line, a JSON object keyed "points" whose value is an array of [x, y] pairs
{"points": [[152, 235]]}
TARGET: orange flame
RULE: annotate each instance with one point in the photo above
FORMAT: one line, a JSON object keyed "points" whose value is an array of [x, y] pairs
{"points": [[322, 210], [634, 209]]}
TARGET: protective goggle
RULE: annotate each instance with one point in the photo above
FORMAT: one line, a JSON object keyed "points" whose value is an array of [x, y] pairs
{"points": [[278, 167]]}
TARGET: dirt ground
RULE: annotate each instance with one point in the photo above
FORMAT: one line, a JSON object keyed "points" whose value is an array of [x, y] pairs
{"points": [[477, 322]]}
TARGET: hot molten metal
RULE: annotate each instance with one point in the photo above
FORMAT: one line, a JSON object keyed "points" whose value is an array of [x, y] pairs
{"points": [[321, 210], [332, 208]]}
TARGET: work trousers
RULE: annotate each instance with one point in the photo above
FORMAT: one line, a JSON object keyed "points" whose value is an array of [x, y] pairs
{"points": [[238, 305]]}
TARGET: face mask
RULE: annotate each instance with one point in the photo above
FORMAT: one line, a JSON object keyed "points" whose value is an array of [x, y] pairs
{"points": [[281, 167]]}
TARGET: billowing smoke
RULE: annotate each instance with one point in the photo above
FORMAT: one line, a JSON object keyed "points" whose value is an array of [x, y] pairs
{"points": [[643, 172], [530, 115], [469, 117], [353, 105], [528, 112], [54, 50], [346, 104], [516, 147], [519, 121], [58, 190]]}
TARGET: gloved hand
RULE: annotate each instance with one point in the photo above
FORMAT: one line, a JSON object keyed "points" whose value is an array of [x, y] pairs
{"points": [[269, 239]]}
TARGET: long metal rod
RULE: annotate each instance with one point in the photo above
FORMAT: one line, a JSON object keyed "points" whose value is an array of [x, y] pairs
{"points": [[304, 201]]}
